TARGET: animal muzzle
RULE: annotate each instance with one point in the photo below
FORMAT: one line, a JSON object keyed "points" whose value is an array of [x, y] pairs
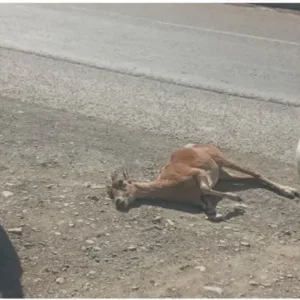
{"points": [[120, 204]]}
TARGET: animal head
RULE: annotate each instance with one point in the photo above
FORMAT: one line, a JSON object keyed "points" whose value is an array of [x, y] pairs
{"points": [[121, 191]]}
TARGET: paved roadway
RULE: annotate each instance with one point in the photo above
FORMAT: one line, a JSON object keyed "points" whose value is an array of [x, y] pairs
{"points": [[217, 73]]}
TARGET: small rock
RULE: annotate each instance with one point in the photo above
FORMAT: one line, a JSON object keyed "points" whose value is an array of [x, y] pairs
{"points": [[60, 280], [274, 226], [289, 276], [157, 219], [153, 227], [65, 268], [45, 270], [87, 184], [90, 242], [215, 289], [100, 234], [86, 286], [135, 288], [170, 222], [152, 281], [91, 274], [246, 244], [102, 187], [201, 268], [17, 230], [253, 282], [97, 248], [92, 197], [184, 267], [267, 284], [7, 194], [131, 248]]}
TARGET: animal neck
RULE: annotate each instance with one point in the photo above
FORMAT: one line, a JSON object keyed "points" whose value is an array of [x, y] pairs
{"points": [[152, 189]]}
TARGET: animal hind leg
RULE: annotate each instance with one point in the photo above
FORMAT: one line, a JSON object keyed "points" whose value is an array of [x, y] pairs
{"points": [[205, 184], [283, 190], [228, 176]]}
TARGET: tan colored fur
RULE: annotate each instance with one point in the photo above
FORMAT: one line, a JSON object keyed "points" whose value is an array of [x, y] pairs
{"points": [[191, 173]]}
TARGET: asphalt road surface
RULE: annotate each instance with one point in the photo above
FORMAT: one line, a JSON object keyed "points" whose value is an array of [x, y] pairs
{"points": [[212, 73], [85, 89]]}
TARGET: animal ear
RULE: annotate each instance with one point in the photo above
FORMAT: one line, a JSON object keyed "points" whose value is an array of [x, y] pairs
{"points": [[109, 192], [120, 183], [125, 175], [113, 176]]}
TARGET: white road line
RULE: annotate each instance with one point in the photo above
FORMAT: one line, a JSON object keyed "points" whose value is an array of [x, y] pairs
{"points": [[206, 29]]}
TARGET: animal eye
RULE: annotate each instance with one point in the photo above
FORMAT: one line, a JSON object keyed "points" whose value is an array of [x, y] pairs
{"points": [[120, 183]]}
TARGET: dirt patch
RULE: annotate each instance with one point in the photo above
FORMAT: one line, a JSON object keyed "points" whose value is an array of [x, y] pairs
{"points": [[73, 243]]}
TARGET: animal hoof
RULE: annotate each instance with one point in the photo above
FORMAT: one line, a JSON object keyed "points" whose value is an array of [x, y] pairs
{"points": [[216, 217], [290, 193]]}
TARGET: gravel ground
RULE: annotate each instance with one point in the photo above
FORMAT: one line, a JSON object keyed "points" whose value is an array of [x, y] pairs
{"points": [[72, 242]]}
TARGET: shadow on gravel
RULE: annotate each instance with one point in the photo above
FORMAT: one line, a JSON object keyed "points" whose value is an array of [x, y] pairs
{"points": [[10, 269], [240, 185], [187, 208], [224, 186]]}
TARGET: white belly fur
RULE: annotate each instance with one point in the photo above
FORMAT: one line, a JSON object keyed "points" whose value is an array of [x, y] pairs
{"points": [[190, 145]]}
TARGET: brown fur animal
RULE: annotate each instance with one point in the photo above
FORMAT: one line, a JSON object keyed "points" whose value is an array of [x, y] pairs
{"points": [[191, 173]]}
